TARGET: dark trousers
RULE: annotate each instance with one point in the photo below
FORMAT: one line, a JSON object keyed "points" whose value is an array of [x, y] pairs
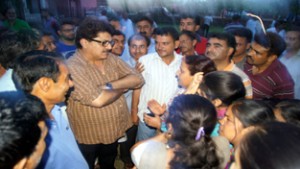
{"points": [[205, 29], [125, 146], [106, 154]]}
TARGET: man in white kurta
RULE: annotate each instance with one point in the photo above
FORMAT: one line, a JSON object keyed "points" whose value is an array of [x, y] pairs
{"points": [[160, 77]]}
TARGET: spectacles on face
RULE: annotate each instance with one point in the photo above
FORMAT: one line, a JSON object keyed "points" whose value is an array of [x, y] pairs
{"points": [[104, 43]]}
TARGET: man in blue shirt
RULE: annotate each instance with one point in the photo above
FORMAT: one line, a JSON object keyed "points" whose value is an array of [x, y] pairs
{"points": [[66, 44], [45, 76]]}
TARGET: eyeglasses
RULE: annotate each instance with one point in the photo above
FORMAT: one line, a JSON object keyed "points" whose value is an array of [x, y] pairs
{"points": [[104, 43]]}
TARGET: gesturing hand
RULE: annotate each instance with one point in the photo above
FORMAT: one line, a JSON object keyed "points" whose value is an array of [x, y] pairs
{"points": [[156, 108]]}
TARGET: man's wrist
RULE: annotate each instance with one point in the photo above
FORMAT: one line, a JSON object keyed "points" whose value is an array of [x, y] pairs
{"points": [[109, 86]]}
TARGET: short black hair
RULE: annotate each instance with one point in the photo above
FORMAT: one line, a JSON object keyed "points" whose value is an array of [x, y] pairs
{"points": [[89, 28], [14, 44], [32, 66], [19, 130], [196, 19], [271, 41], [66, 22], [144, 18], [242, 32], [117, 33], [190, 34], [164, 31]]}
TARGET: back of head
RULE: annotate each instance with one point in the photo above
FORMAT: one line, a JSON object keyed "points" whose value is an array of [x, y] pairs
{"points": [[290, 111], [199, 63], [193, 119], [236, 18], [252, 112], [13, 44], [19, 130], [271, 41], [89, 28], [32, 66], [222, 85], [270, 145], [167, 31]]}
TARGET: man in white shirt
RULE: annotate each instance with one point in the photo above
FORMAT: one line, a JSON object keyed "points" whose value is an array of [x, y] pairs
{"points": [[291, 56], [160, 78]]}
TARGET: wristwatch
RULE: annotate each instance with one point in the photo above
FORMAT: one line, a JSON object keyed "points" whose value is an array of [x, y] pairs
{"points": [[109, 86]]}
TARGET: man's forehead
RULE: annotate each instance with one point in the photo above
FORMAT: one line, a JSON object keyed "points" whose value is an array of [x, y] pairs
{"points": [[293, 33], [216, 40], [135, 41], [118, 37], [187, 20], [143, 22], [164, 37], [67, 25], [259, 47], [103, 34]]}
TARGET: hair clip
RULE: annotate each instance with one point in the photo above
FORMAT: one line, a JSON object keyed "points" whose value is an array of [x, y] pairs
{"points": [[200, 133]]}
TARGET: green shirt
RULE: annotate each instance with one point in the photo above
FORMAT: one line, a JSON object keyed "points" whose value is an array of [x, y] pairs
{"points": [[18, 24]]}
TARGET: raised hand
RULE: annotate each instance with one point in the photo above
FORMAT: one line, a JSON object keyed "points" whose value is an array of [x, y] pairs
{"points": [[156, 108]]}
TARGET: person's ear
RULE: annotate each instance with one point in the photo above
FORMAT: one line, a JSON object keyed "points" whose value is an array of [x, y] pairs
{"points": [[248, 46], [177, 44], [194, 42], [197, 27], [230, 51], [84, 43], [169, 132], [44, 83], [217, 102], [21, 164], [271, 58]]}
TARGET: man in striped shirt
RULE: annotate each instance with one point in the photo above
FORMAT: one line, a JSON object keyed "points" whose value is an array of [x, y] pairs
{"points": [[97, 109], [270, 78], [160, 79]]}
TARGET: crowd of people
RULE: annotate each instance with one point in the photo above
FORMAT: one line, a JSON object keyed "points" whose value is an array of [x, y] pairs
{"points": [[78, 95]]}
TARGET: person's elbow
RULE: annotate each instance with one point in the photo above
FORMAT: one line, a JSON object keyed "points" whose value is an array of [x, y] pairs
{"points": [[140, 81]]}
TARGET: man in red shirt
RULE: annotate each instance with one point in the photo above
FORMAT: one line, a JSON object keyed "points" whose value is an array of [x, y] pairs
{"points": [[269, 77], [190, 23]]}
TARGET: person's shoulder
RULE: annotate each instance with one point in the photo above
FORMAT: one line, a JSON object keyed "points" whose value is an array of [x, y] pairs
{"points": [[240, 72], [148, 57], [75, 61]]}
